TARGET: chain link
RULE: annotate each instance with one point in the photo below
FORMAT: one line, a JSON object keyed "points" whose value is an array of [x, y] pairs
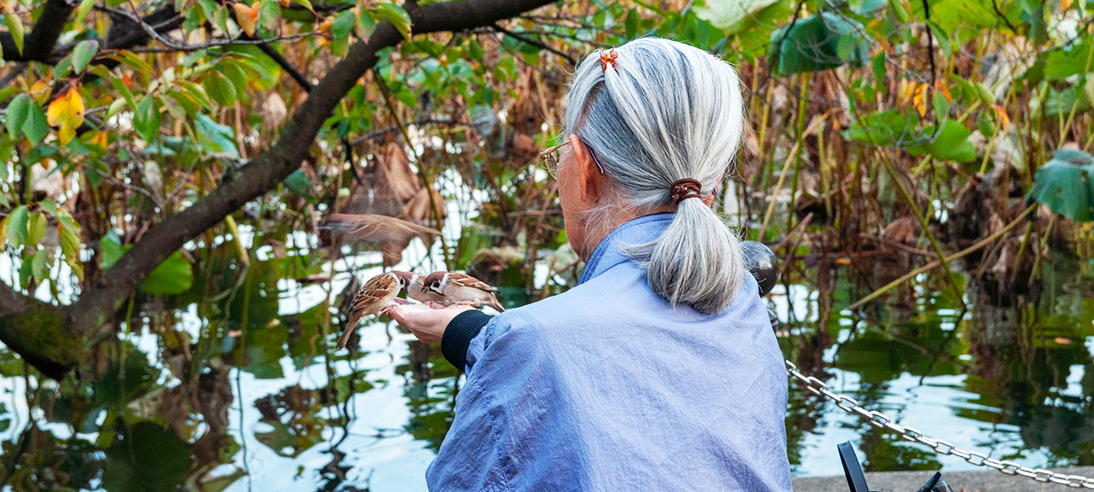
{"points": [[880, 420]]}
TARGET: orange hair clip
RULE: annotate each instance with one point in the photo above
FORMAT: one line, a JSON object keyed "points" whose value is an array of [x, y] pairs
{"points": [[608, 58]]}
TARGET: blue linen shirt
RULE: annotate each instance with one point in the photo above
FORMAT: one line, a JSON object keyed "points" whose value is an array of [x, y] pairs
{"points": [[607, 387]]}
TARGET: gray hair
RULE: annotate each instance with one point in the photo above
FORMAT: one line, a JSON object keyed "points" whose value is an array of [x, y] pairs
{"points": [[666, 111]]}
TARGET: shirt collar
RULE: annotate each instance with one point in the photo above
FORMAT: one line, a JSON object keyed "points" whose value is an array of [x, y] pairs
{"points": [[635, 231]]}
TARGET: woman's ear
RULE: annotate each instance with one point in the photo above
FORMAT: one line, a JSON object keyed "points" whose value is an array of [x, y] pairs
{"points": [[590, 180], [710, 198]]}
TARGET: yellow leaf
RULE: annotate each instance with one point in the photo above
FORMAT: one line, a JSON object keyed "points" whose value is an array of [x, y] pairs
{"points": [[100, 139], [67, 112], [1001, 116], [904, 94], [919, 99], [247, 16], [325, 25], [41, 90], [945, 91]]}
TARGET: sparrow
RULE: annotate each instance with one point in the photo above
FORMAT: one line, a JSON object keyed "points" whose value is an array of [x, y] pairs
{"points": [[414, 285], [459, 288], [375, 297]]}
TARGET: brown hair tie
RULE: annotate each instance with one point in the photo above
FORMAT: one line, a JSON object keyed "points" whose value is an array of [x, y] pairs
{"points": [[682, 189]]}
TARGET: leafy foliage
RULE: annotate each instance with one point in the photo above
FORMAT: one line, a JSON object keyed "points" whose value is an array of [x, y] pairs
{"points": [[1066, 185]]}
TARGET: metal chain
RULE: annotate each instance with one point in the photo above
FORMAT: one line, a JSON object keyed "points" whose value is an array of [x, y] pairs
{"points": [[880, 420]]}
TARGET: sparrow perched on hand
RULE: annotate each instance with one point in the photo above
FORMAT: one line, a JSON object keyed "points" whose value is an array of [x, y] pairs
{"points": [[375, 297], [414, 285], [459, 288]]}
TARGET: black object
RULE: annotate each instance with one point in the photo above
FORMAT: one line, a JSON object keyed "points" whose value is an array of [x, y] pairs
{"points": [[852, 469], [762, 263], [856, 480], [458, 334]]}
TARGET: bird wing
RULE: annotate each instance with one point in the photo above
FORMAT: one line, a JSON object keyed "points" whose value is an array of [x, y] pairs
{"points": [[463, 280], [376, 228], [374, 295]]}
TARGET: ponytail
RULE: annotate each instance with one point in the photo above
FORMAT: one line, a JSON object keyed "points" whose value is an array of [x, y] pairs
{"points": [[697, 261]]}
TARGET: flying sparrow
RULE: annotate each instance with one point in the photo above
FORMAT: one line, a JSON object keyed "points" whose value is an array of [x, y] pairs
{"points": [[375, 297], [459, 288]]}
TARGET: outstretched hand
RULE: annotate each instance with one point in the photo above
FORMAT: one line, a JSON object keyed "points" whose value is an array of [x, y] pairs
{"points": [[427, 324]]}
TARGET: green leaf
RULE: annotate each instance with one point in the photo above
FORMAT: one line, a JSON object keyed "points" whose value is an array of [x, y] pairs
{"points": [[882, 128], [15, 226], [150, 458], [82, 11], [70, 246], [15, 27], [173, 276], [236, 73], [299, 184], [216, 138], [36, 228], [985, 95], [83, 54], [941, 38], [219, 87], [60, 70], [39, 266], [342, 24], [985, 123], [951, 143], [1066, 61], [899, 9], [1060, 102], [631, 23], [1066, 185], [731, 16], [953, 14], [396, 15], [819, 42], [17, 114], [119, 85], [366, 24], [941, 105], [147, 119], [35, 127]]}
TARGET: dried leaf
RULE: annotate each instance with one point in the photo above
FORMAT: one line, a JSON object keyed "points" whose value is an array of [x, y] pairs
{"points": [[419, 209], [393, 173], [940, 87], [67, 112], [247, 16], [1001, 117], [919, 99]]}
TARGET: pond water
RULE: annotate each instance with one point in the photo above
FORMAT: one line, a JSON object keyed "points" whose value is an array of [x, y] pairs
{"points": [[266, 404]]}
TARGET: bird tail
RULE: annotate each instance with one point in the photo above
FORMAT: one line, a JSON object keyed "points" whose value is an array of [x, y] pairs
{"points": [[353, 319], [496, 305]]}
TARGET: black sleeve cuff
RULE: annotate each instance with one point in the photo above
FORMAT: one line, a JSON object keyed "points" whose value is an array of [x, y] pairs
{"points": [[457, 336]]}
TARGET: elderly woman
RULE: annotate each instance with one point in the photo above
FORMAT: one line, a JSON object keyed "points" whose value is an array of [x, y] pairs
{"points": [[659, 370]]}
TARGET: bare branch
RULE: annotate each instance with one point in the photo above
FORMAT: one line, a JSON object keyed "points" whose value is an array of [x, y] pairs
{"points": [[537, 44]]}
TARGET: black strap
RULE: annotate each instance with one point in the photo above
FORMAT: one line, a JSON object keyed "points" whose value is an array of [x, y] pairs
{"points": [[851, 468]]}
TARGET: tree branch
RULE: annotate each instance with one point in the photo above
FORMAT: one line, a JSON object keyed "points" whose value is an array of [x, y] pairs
{"points": [[537, 44], [11, 301], [41, 40], [103, 298], [287, 65]]}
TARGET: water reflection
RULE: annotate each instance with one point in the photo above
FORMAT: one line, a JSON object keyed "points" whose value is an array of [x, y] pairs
{"points": [[234, 385]]}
